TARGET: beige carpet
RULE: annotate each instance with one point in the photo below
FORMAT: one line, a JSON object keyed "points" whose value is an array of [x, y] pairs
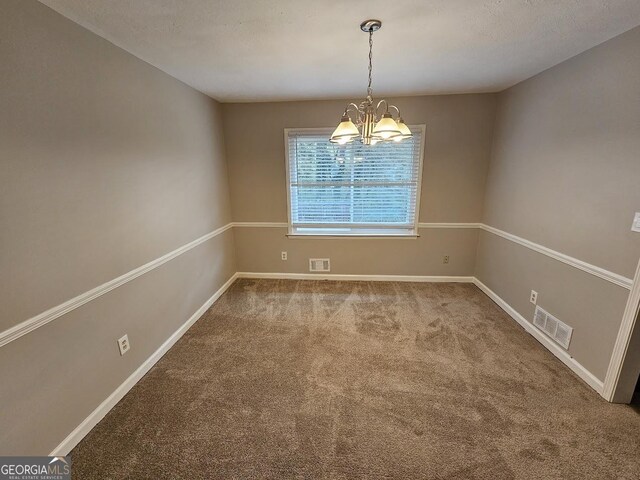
{"points": [[313, 379]]}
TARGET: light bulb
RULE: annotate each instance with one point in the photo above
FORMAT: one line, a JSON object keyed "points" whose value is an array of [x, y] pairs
{"points": [[345, 131], [404, 131], [386, 128]]}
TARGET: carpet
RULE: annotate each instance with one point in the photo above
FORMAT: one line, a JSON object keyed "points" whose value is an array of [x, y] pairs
{"points": [[343, 380]]}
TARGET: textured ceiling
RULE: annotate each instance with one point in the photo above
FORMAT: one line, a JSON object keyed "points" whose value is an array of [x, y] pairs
{"points": [[260, 50]]}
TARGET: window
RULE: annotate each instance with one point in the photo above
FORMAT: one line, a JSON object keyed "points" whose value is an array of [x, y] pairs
{"points": [[353, 189]]}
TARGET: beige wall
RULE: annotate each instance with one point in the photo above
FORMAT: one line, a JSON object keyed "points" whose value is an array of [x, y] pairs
{"points": [[259, 251], [106, 163], [564, 173], [459, 129]]}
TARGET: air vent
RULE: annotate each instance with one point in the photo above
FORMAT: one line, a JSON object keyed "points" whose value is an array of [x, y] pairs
{"points": [[554, 328], [319, 265], [550, 326], [563, 334], [539, 318]]}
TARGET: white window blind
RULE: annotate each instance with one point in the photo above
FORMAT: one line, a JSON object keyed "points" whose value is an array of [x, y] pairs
{"points": [[353, 187]]}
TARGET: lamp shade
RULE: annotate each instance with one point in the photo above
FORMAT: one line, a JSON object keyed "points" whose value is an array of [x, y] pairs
{"points": [[404, 131], [345, 132], [386, 128]]}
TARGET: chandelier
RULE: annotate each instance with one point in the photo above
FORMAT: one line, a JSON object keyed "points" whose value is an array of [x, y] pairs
{"points": [[367, 125]]}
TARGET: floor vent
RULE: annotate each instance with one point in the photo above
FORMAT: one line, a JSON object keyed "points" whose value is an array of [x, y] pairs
{"points": [[319, 265], [554, 328]]}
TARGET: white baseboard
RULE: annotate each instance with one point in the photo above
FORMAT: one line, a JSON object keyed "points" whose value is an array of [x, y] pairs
{"points": [[558, 351], [549, 344], [368, 278], [99, 413]]}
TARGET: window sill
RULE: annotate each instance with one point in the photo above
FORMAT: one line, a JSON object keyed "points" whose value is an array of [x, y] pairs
{"points": [[352, 233]]}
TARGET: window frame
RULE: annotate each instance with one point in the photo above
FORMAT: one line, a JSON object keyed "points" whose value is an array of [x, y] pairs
{"points": [[355, 232]]}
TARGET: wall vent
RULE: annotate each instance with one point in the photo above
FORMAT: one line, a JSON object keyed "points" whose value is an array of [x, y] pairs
{"points": [[319, 265], [554, 328]]}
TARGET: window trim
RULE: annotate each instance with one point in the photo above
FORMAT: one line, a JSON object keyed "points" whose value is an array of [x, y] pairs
{"points": [[364, 232]]}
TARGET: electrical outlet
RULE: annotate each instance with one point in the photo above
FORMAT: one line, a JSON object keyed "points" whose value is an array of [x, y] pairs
{"points": [[123, 344], [283, 255], [445, 259], [534, 297]]}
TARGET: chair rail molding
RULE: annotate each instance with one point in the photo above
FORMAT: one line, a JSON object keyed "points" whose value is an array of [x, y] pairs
{"points": [[261, 224], [50, 315], [599, 272], [21, 329]]}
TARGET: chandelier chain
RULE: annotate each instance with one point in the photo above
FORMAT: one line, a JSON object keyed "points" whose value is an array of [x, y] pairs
{"points": [[366, 120], [369, 90]]}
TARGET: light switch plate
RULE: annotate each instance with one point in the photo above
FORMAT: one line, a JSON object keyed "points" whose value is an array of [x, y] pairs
{"points": [[635, 227]]}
